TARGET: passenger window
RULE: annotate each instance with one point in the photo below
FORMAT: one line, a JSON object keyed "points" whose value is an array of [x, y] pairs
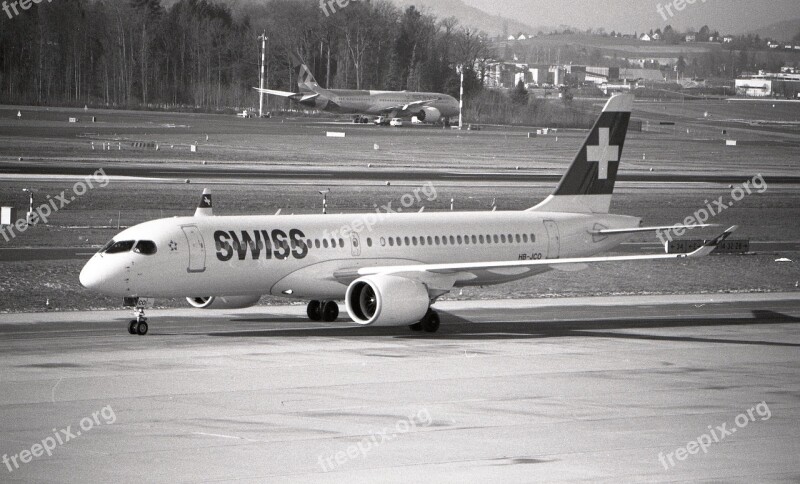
{"points": [[452, 240], [414, 240], [458, 239], [480, 238], [430, 240], [408, 241], [503, 238], [145, 247], [325, 243], [519, 239], [525, 238], [341, 242], [474, 239], [437, 240], [316, 243], [121, 246], [383, 241], [391, 241], [369, 242], [533, 237]]}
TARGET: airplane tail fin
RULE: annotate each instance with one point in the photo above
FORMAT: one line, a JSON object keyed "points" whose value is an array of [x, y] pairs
{"points": [[588, 184], [204, 208], [305, 79]]}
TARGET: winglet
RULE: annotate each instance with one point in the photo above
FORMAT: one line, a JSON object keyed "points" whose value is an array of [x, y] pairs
{"points": [[204, 208], [709, 247]]}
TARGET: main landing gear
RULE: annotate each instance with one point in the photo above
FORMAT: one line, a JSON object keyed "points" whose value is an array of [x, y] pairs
{"points": [[326, 311], [429, 322], [138, 325]]}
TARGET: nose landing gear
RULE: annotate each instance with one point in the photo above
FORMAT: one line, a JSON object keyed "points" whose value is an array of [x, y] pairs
{"points": [[138, 325]]}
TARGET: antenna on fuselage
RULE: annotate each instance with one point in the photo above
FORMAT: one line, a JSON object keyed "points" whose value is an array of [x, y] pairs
{"points": [[204, 208]]}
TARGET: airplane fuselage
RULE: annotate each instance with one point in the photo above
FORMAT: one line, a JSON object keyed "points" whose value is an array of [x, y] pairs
{"points": [[310, 256], [376, 103]]}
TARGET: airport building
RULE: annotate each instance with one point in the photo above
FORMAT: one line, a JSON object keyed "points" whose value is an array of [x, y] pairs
{"points": [[785, 84]]}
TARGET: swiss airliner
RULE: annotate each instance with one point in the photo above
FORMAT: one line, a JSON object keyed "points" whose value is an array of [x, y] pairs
{"points": [[429, 107], [389, 274]]}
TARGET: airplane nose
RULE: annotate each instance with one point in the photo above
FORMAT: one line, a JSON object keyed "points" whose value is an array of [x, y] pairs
{"points": [[91, 276]]}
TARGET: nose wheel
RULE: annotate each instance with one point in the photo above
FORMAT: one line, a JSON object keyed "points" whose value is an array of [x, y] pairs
{"points": [[138, 325]]}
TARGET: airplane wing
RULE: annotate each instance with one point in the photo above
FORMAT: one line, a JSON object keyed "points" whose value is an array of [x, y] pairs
{"points": [[276, 93], [414, 271], [294, 96], [406, 107]]}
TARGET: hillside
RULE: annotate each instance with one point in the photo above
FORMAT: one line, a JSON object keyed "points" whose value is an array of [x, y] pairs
{"points": [[781, 31], [470, 16]]}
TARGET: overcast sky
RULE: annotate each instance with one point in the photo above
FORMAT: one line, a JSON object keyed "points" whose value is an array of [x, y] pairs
{"points": [[732, 16]]}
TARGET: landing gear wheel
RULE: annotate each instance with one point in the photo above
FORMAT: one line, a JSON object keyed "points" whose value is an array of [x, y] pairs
{"points": [[430, 323], [138, 325], [314, 310], [416, 327], [330, 311]]}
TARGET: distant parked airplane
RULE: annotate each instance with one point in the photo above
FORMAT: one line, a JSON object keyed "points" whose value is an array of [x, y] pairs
{"points": [[391, 273], [428, 107]]}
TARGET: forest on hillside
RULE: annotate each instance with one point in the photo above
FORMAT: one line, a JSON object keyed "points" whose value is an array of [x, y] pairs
{"points": [[199, 54]]}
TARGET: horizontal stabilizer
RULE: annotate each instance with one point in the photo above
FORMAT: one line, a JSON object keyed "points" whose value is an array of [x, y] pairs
{"points": [[649, 229]]}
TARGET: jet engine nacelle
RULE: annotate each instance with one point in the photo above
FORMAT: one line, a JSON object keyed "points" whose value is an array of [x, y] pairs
{"points": [[384, 300], [429, 115], [223, 302]]}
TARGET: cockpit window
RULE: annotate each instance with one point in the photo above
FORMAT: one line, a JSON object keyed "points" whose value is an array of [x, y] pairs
{"points": [[105, 247], [121, 246], [145, 247]]}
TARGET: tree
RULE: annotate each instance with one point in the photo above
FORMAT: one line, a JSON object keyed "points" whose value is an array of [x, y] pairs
{"points": [[519, 95]]}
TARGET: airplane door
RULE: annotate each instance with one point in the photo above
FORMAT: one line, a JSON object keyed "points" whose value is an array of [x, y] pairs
{"points": [[197, 249], [355, 244], [553, 239]]}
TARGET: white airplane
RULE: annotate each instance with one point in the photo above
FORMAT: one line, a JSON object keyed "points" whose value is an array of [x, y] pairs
{"points": [[391, 273], [430, 107]]}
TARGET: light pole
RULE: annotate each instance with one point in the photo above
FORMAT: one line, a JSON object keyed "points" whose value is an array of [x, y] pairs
{"points": [[263, 39], [29, 218], [461, 99]]}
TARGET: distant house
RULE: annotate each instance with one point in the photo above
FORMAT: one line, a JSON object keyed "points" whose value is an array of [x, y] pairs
{"points": [[773, 45], [691, 38], [522, 36], [656, 36], [511, 37], [727, 39], [645, 38], [713, 39]]}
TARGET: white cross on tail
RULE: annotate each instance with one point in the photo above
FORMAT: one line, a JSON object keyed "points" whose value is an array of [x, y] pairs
{"points": [[602, 153]]}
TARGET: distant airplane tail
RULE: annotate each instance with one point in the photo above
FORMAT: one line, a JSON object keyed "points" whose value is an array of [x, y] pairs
{"points": [[305, 79], [204, 208], [588, 184]]}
